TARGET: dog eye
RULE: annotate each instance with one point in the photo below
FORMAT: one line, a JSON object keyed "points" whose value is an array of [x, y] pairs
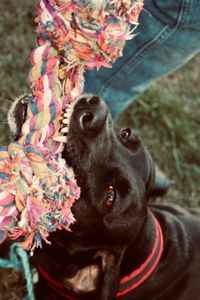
{"points": [[125, 134], [111, 195]]}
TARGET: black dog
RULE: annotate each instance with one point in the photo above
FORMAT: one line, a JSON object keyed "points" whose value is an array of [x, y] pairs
{"points": [[119, 247]]}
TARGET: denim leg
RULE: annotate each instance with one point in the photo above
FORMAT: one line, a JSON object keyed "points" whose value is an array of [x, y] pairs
{"points": [[166, 40]]}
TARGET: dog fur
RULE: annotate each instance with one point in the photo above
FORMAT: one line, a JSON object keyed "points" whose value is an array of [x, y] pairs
{"points": [[108, 242]]}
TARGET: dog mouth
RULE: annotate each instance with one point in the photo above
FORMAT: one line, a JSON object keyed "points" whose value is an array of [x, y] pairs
{"points": [[87, 278]]}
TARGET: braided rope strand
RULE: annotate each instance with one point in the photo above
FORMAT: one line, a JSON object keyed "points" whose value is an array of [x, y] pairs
{"points": [[37, 189]]}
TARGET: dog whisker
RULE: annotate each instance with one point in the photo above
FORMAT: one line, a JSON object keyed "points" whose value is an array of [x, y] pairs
{"points": [[11, 95], [5, 99]]}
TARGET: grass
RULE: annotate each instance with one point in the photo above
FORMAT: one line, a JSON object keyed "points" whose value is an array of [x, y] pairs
{"points": [[17, 40], [167, 115]]}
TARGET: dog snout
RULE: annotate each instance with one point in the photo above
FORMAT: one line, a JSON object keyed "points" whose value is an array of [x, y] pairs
{"points": [[90, 113]]}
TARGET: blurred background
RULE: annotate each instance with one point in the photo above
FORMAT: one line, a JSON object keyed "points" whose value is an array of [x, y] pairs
{"points": [[167, 115]]}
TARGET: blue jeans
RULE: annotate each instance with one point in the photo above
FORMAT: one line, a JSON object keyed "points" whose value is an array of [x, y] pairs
{"points": [[165, 41]]}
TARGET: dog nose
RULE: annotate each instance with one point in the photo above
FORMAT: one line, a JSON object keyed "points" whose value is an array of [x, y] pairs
{"points": [[90, 113]]}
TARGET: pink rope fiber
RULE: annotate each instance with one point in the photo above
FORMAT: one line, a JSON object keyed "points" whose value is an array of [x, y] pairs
{"points": [[37, 189]]}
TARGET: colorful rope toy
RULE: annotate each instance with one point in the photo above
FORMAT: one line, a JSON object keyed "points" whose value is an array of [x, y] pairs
{"points": [[37, 189]]}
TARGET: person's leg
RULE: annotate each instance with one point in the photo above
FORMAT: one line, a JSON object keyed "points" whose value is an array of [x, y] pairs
{"points": [[166, 40]]}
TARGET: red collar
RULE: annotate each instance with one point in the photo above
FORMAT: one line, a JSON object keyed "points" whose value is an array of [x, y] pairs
{"points": [[128, 283]]}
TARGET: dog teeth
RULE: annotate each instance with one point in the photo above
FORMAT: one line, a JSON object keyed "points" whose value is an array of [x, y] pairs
{"points": [[69, 109], [64, 130], [60, 138], [65, 121], [66, 115]]}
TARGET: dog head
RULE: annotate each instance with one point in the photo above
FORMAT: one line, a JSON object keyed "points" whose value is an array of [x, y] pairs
{"points": [[113, 169]]}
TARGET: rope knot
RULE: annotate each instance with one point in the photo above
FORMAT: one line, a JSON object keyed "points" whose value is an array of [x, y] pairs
{"points": [[37, 189]]}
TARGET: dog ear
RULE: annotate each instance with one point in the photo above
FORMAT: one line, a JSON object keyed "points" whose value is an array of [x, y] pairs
{"points": [[17, 116], [157, 183], [151, 175]]}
